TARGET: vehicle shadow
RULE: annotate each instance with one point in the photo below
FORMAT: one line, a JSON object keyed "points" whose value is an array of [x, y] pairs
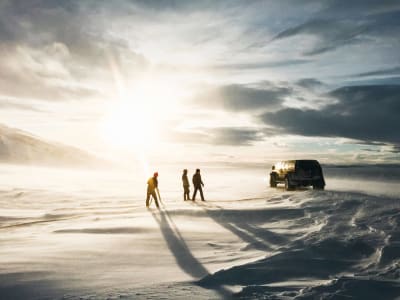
{"points": [[182, 254]]}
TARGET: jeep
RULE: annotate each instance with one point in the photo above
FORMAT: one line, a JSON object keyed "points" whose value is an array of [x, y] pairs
{"points": [[297, 173]]}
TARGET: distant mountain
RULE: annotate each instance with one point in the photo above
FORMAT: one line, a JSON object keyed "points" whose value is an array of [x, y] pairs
{"points": [[17, 146]]}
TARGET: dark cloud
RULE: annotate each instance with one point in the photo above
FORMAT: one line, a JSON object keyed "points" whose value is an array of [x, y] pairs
{"points": [[262, 65], [368, 143], [395, 80], [356, 8], [234, 136], [366, 113], [332, 33], [310, 83], [387, 71], [228, 136], [236, 97], [335, 30], [395, 149], [182, 6], [371, 150], [38, 22]]}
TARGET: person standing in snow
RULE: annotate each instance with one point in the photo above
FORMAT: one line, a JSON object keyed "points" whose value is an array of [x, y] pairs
{"points": [[198, 184], [152, 185], [186, 185]]}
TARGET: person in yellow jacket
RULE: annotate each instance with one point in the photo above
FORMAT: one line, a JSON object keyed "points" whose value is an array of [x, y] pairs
{"points": [[152, 185]]}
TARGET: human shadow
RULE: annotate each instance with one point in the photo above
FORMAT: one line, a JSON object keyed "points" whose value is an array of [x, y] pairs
{"points": [[242, 224], [182, 254]]}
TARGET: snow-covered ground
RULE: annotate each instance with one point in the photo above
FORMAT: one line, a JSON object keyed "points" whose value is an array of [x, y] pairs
{"points": [[86, 235]]}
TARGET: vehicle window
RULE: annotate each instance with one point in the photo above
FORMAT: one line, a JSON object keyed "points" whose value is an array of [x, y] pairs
{"points": [[308, 166]]}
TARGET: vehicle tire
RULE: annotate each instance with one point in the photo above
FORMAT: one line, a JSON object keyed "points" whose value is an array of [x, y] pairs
{"points": [[318, 186], [288, 186], [272, 181]]}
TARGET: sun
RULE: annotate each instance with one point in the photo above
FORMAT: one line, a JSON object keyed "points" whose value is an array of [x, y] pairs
{"points": [[136, 120], [130, 126]]}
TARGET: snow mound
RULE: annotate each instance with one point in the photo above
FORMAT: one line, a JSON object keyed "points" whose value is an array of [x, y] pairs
{"points": [[357, 245]]}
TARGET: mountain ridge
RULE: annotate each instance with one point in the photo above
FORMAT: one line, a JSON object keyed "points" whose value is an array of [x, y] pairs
{"points": [[21, 147]]}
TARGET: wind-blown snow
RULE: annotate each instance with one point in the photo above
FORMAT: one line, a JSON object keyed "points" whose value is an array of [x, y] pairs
{"points": [[17, 146], [87, 235]]}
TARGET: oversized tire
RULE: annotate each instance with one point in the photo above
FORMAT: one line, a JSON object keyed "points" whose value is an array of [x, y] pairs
{"points": [[318, 186], [288, 185], [272, 181]]}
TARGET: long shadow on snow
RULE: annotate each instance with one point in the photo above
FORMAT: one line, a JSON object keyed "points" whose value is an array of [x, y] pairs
{"points": [[244, 225], [183, 256], [312, 262], [337, 247], [35, 285]]}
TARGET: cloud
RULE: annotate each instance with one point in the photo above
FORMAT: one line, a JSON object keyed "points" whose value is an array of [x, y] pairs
{"points": [[366, 113], [236, 97], [342, 9], [235, 136], [331, 34], [40, 74], [395, 149], [385, 72], [338, 25], [262, 65], [368, 143], [13, 103], [227, 136], [59, 50], [310, 83], [371, 150]]}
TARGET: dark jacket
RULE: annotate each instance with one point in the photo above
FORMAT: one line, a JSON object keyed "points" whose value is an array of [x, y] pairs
{"points": [[185, 180], [197, 182]]}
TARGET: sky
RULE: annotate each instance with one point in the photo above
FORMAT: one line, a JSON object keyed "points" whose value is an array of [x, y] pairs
{"points": [[206, 81]]}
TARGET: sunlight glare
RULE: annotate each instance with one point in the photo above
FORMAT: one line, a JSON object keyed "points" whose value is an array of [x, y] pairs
{"points": [[135, 121]]}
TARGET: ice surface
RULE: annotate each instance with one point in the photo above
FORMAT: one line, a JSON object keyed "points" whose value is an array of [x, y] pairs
{"points": [[86, 235]]}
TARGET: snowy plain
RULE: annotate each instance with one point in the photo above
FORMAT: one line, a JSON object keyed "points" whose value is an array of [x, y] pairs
{"points": [[68, 234]]}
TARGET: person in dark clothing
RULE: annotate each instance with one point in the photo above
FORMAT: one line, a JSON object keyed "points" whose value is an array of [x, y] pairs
{"points": [[186, 186], [198, 184], [152, 185]]}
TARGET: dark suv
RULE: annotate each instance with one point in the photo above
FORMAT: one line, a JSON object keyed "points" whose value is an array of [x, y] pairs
{"points": [[294, 173]]}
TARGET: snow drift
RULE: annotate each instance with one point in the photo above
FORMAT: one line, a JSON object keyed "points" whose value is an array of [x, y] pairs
{"points": [[88, 236], [330, 244]]}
